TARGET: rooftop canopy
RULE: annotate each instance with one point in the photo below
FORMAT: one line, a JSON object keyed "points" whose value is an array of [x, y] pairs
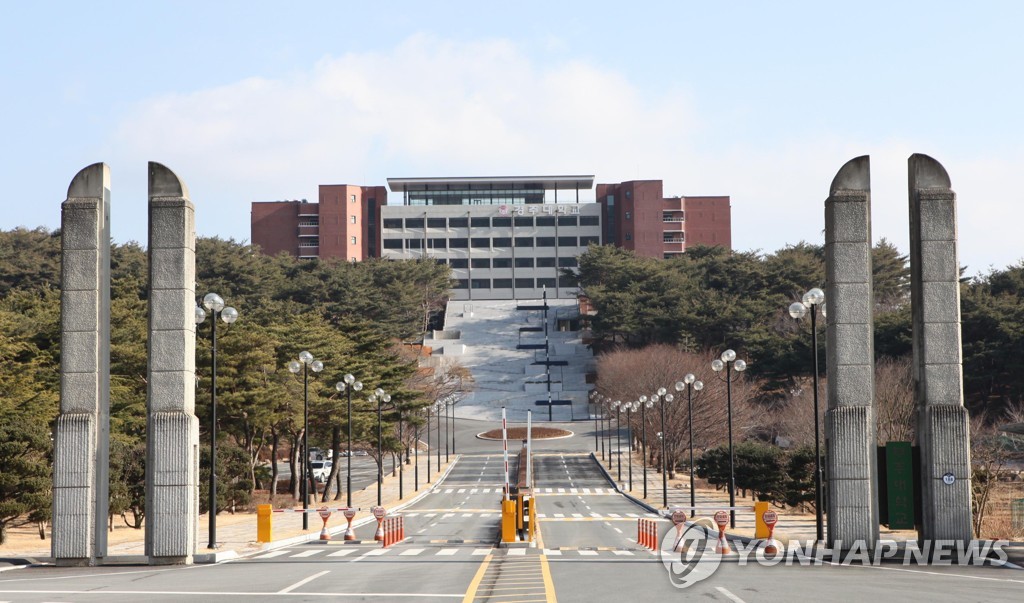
{"points": [[488, 183]]}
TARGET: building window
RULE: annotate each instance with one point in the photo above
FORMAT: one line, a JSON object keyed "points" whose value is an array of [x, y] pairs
{"points": [[439, 243], [392, 222], [480, 242], [353, 260], [441, 261], [501, 222], [437, 223], [458, 263], [567, 263], [352, 199], [481, 283], [524, 283], [392, 243], [548, 262], [480, 222], [309, 242], [590, 221], [629, 215], [414, 222], [502, 242], [502, 283], [461, 283], [458, 243], [480, 263], [353, 218], [309, 222], [353, 240], [545, 241], [501, 263], [545, 221], [524, 221], [610, 200], [585, 241], [546, 282], [458, 223], [568, 241], [524, 241], [629, 237], [567, 220], [524, 263], [414, 243]]}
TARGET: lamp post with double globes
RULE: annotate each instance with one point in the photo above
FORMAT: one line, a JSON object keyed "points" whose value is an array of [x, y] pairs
{"points": [[618, 433], [811, 300], [645, 403], [305, 363], [728, 362], [594, 398], [691, 385], [347, 384], [660, 395], [380, 397], [632, 407], [215, 305]]}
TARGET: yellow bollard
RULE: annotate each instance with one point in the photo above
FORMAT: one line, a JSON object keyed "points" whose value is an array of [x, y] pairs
{"points": [[508, 520], [263, 514], [761, 528]]}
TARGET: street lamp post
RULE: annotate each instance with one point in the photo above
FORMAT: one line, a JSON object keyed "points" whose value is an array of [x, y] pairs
{"points": [[631, 408], [347, 384], [618, 434], [664, 462], [437, 415], [729, 362], [401, 454], [453, 402], [811, 300], [645, 403], [593, 403], [446, 405], [428, 409], [691, 384], [305, 363], [214, 304], [378, 397]]}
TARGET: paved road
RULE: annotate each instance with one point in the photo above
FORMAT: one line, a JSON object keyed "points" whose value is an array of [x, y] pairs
{"points": [[589, 553]]}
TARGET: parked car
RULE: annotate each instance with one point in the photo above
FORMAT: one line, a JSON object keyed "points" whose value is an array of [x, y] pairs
{"points": [[321, 469]]}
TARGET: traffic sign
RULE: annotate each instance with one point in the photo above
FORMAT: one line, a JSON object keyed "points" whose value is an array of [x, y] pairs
{"points": [[678, 516], [379, 512], [770, 518], [722, 518], [324, 512], [350, 514]]}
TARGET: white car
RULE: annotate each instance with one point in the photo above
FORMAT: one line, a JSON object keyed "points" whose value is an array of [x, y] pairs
{"points": [[321, 469]]}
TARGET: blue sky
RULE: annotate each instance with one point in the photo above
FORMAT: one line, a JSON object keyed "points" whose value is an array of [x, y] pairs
{"points": [[255, 101]]}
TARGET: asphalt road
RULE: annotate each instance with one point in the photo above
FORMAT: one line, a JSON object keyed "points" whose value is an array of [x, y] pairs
{"points": [[589, 553]]}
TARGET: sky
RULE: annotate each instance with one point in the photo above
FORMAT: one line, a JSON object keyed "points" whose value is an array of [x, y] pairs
{"points": [[761, 101]]}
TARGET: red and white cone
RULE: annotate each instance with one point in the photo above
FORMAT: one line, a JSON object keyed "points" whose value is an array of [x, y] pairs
{"points": [[379, 534]]}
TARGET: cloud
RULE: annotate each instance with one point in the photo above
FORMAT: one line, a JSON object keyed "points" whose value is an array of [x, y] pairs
{"points": [[435, 107]]}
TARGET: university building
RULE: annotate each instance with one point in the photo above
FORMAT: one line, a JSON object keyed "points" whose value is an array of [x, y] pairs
{"points": [[503, 238]]}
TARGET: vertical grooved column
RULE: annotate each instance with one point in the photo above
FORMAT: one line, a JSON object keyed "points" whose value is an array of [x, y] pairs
{"points": [[172, 444], [81, 434], [942, 420], [850, 420]]}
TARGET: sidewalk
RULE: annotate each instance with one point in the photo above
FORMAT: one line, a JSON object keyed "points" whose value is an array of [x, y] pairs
{"points": [[792, 525], [236, 534]]}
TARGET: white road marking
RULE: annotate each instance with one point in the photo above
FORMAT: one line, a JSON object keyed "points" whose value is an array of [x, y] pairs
{"points": [[376, 552], [461, 491], [430, 514], [410, 552], [624, 553], [728, 594], [410, 514], [309, 553], [516, 552], [273, 554], [577, 514], [447, 552], [573, 490], [559, 515], [632, 515], [552, 552], [588, 553], [447, 515], [342, 553], [617, 530], [481, 551], [301, 582], [467, 514], [586, 490], [614, 515], [449, 490]]}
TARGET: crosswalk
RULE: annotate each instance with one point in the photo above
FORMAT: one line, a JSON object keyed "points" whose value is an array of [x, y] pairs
{"points": [[450, 552], [566, 491]]}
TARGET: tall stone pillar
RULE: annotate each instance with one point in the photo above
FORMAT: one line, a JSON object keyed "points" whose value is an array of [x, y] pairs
{"points": [[942, 421], [850, 420], [81, 437], [172, 443]]}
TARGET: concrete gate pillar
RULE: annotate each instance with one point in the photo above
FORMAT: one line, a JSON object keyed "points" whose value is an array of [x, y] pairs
{"points": [[850, 419], [82, 432], [172, 443], [942, 422]]}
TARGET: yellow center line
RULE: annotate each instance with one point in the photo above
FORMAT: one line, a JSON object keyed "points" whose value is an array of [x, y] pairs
{"points": [[475, 583], [549, 585]]}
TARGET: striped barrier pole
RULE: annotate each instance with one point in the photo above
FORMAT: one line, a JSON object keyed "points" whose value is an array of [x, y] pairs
{"points": [[504, 443]]}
